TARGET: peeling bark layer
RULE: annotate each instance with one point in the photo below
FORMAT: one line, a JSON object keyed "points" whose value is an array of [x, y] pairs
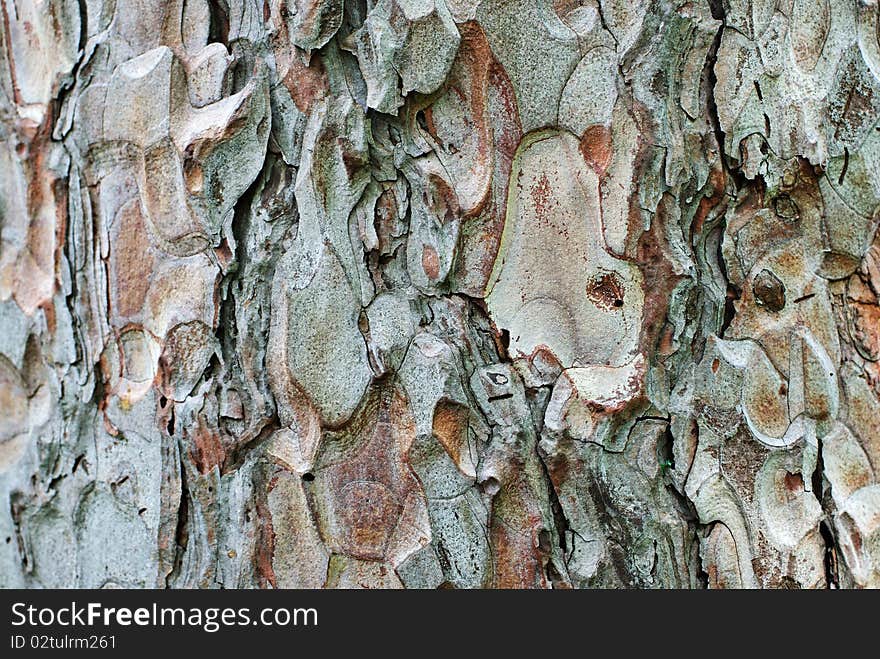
{"points": [[439, 293]]}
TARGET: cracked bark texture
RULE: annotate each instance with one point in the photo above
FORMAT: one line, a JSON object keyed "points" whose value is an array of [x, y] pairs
{"points": [[439, 293]]}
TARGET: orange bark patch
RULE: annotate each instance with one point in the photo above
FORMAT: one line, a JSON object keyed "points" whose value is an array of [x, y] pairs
{"points": [[708, 204], [450, 427], [515, 545], [369, 512]]}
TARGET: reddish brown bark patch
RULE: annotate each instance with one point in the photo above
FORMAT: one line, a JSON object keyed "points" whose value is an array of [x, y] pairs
{"points": [[305, 83], [659, 278], [595, 147], [132, 262], [206, 447], [430, 261]]}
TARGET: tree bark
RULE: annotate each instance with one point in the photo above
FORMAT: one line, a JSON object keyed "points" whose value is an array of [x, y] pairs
{"points": [[439, 293]]}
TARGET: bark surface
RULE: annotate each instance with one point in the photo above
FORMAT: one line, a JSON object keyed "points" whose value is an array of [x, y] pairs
{"points": [[439, 293]]}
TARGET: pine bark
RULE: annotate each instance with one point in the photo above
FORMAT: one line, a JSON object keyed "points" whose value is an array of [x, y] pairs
{"points": [[439, 293]]}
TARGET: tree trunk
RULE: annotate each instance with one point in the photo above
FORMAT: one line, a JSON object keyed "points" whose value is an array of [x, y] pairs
{"points": [[439, 293]]}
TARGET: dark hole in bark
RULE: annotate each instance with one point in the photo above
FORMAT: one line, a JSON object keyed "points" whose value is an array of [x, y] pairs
{"points": [[490, 486], [422, 121]]}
